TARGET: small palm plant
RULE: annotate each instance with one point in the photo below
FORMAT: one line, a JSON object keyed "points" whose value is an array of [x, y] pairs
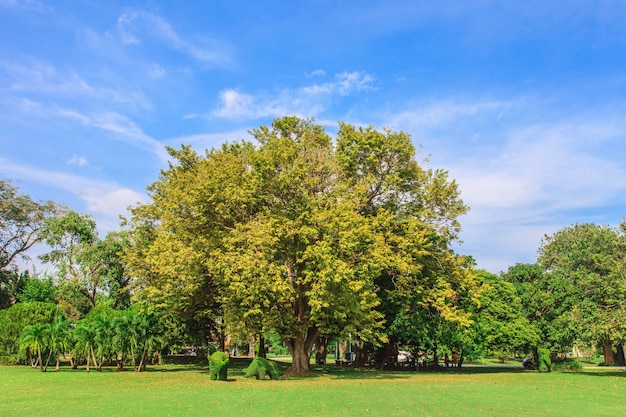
{"points": [[36, 338]]}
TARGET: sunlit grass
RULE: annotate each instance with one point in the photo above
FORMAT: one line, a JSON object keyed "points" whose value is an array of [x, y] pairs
{"points": [[185, 390]]}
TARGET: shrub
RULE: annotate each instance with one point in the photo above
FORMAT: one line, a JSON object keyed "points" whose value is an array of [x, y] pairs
{"points": [[260, 367], [218, 366], [12, 322], [545, 364], [567, 366]]}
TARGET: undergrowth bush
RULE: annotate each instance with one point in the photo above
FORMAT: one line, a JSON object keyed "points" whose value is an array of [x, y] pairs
{"points": [[567, 366]]}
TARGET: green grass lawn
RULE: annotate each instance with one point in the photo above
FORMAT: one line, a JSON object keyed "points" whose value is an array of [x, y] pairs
{"points": [[185, 390]]}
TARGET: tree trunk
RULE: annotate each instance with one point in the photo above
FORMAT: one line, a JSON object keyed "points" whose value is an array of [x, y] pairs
{"points": [[132, 357], [141, 361], [87, 369], [95, 362], [321, 350], [359, 353], [385, 353], [262, 352], [301, 347], [39, 360], [251, 346], [607, 350], [45, 368]]}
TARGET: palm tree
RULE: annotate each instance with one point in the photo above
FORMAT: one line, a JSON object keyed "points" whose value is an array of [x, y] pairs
{"points": [[123, 339], [146, 336], [85, 340], [105, 330], [60, 338], [35, 337]]}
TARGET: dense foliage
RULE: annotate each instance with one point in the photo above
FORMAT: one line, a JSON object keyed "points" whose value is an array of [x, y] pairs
{"points": [[300, 239], [291, 233]]}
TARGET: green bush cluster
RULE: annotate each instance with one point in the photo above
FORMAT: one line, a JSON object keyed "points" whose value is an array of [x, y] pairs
{"points": [[260, 367], [12, 323], [545, 364], [567, 366], [218, 366]]}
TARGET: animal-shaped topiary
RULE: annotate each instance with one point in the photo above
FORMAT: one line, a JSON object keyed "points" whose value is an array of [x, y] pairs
{"points": [[260, 367], [218, 366]]}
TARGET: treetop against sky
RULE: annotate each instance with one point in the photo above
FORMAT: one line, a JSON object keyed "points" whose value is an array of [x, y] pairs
{"points": [[521, 102]]}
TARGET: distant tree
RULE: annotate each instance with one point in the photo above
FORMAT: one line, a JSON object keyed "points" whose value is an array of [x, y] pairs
{"points": [[590, 260], [70, 235], [501, 325], [38, 289], [85, 263], [11, 285], [546, 301], [21, 220]]}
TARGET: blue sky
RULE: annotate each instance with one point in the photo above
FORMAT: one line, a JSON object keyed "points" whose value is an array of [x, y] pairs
{"points": [[523, 102]]}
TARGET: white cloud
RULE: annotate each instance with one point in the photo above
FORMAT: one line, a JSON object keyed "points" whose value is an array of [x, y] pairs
{"points": [[106, 200], [111, 202], [304, 101], [38, 77], [316, 73], [133, 24], [117, 124], [81, 161], [209, 140], [343, 84], [524, 169]]}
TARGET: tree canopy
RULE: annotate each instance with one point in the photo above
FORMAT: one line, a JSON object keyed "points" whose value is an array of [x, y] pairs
{"points": [[290, 232]]}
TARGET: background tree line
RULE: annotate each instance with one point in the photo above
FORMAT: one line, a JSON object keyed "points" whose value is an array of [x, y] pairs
{"points": [[308, 237]]}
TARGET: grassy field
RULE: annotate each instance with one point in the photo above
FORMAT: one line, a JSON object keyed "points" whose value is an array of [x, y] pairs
{"points": [[185, 390]]}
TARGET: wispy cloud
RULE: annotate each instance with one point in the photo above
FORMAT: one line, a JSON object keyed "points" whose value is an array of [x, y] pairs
{"points": [[106, 200], [209, 140], [135, 25], [344, 84], [32, 76], [305, 101], [117, 124], [522, 176], [31, 5], [77, 160]]}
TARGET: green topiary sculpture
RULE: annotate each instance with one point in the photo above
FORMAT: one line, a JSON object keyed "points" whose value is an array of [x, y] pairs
{"points": [[260, 367], [545, 364], [218, 366]]}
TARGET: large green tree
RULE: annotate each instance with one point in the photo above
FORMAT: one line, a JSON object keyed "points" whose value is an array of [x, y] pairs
{"points": [[591, 261], [293, 230]]}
